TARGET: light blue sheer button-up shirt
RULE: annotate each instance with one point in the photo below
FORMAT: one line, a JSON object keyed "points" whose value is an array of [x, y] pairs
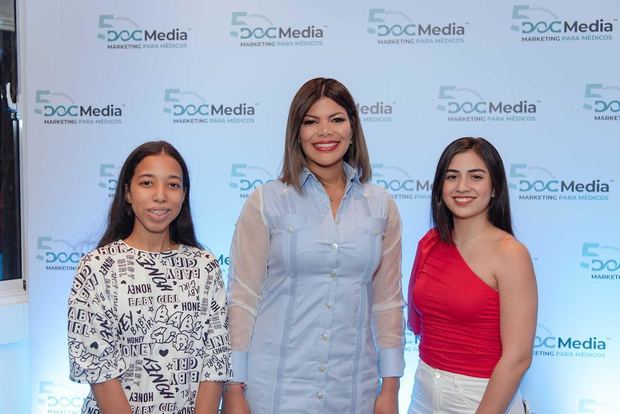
{"points": [[315, 302]]}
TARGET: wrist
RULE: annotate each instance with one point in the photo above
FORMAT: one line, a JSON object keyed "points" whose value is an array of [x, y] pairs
{"points": [[234, 387], [390, 385]]}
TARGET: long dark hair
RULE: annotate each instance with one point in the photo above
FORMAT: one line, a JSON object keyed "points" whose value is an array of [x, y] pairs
{"points": [[310, 92], [121, 217], [498, 212]]}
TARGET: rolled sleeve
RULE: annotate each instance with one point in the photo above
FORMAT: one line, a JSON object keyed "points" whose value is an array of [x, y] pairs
{"points": [[239, 366], [391, 362]]}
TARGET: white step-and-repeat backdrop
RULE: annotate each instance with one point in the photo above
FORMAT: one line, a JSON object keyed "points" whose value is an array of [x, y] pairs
{"points": [[540, 79]]}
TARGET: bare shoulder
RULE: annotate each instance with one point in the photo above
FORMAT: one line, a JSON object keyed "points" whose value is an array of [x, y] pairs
{"points": [[513, 258], [511, 249], [513, 264]]}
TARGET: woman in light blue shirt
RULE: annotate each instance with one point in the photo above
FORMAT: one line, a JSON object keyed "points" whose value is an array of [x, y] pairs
{"points": [[315, 298]]}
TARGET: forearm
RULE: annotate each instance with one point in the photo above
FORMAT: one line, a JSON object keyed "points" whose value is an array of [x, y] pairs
{"points": [[208, 398], [390, 385], [387, 400], [234, 401], [110, 397], [503, 384]]}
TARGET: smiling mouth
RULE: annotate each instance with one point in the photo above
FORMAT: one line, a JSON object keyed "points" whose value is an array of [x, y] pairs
{"points": [[326, 146], [158, 212], [463, 200]]}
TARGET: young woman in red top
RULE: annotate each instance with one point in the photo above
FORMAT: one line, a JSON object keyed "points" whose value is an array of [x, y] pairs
{"points": [[472, 295]]}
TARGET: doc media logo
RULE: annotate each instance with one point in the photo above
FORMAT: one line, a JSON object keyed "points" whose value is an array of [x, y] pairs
{"points": [[400, 183], [60, 398], [257, 30], [540, 184], [593, 406], [60, 255], [412, 342], [468, 105], [224, 261], [546, 344], [603, 101], [539, 24], [57, 108], [393, 27], [124, 33], [187, 107], [246, 178], [378, 111], [601, 261], [108, 178]]}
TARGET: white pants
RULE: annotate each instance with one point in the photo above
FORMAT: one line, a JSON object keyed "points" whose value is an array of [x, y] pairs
{"points": [[441, 392]]}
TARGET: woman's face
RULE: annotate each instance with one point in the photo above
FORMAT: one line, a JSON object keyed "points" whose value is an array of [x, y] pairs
{"points": [[325, 134], [467, 188], [156, 194]]}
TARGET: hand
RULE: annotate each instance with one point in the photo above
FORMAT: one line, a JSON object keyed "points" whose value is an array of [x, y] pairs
{"points": [[387, 400], [234, 401]]}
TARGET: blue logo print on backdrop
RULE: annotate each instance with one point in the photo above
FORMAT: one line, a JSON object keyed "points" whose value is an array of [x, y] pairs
{"points": [[378, 111], [60, 398], [412, 342], [61, 255], [108, 178], [540, 24], [603, 101], [257, 30], [400, 184], [123, 33], [602, 261], [246, 178], [540, 184], [58, 108], [468, 105], [187, 107], [224, 261], [548, 345], [393, 27]]}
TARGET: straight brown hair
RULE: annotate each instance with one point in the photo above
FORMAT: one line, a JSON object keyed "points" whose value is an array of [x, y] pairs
{"points": [[310, 92]]}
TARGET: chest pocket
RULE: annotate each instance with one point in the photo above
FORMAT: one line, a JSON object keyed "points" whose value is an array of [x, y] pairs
{"points": [[286, 238], [370, 240]]}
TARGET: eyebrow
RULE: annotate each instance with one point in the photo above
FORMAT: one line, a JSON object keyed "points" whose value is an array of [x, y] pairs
{"points": [[330, 116], [478, 170], [149, 175]]}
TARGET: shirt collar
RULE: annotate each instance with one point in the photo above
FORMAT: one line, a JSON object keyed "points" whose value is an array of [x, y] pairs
{"points": [[350, 173]]}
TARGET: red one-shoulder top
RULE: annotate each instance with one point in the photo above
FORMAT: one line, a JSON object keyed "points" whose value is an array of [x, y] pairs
{"points": [[455, 312]]}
